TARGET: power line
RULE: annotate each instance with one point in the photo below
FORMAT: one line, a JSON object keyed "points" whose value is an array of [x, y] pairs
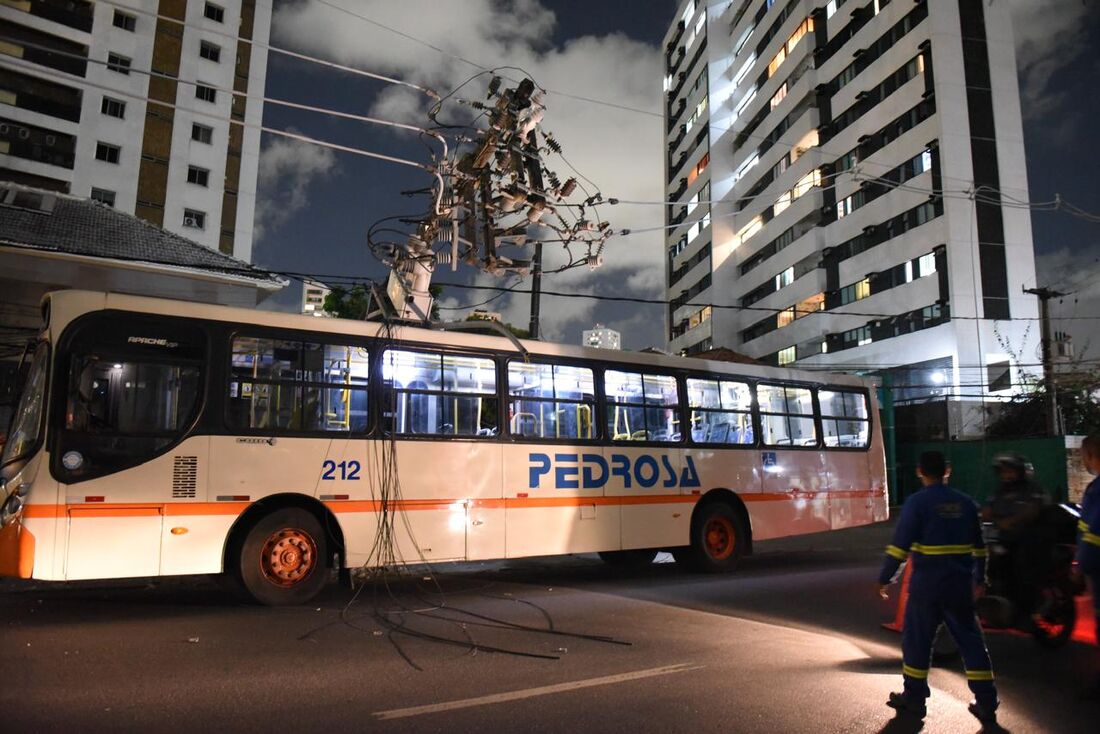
{"points": [[210, 116], [345, 278]]}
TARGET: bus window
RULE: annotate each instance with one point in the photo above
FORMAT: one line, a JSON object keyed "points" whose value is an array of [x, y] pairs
{"points": [[121, 413], [551, 401], [786, 415], [277, 384], [26, 425], [441, 394], [721, 411], [844, 421], [642, 407]]}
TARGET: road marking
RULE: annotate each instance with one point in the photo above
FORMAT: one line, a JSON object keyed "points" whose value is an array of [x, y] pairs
{"points": [[533, 692]]}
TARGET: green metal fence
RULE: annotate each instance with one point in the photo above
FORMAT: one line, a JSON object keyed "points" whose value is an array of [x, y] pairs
{"points": [[971, 465]]}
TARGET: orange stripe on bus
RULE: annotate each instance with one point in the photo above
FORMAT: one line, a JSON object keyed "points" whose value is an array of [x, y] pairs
{"points": [[115, 511], [181, 509]]}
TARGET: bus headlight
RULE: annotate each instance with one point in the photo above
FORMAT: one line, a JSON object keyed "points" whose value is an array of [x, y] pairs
{"points": [[12, 506]]}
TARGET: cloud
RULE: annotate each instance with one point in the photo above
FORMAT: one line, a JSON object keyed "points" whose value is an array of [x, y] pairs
{"points": [[1050, 37], [619, 151], [287, 168]]}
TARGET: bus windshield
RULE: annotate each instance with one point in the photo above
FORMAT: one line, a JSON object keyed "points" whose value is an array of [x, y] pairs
{"points": [[27, 422]]}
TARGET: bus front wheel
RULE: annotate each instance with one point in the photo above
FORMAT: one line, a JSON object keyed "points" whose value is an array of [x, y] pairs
{"points": [[718, 539], [281, 558]]}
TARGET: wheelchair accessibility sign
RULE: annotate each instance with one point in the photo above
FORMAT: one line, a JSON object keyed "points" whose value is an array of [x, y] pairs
{"points": [[767, 458]]}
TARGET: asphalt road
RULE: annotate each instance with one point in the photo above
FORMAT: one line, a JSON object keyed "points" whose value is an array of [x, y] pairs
{"points": [[790, 643]]}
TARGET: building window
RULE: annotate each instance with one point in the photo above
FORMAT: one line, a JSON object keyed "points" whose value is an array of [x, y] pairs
{"points": [[103, 196], [210, 51], [214, 12], [205, 93], [785, 278], [198, 176], [113, 108], [106, 152], [202, 133], [118, 62], [125, 21], [926, 264], [1000, 376], [194, 219], [779, 96]]}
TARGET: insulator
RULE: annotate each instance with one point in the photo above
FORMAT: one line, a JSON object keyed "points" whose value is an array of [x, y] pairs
{"points": [[552, 144], [594, 261], [443, 258], [569, 187]]}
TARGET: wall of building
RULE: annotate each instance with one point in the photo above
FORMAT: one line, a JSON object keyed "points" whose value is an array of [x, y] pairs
{"points": [[809, 103], [156, 146]]}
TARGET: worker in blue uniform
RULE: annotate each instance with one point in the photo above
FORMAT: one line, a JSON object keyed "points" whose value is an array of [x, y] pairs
{"points": [[1088, 536], [940, 533]]}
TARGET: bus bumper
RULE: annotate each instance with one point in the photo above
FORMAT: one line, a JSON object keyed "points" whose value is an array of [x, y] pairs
{"points": [[16, 551]]}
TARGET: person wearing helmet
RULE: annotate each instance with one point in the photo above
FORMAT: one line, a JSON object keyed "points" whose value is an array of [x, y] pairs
{"points": [[1015, 509]]}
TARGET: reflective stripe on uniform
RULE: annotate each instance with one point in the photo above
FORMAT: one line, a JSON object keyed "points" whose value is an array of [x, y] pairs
{"points": [[942, 550], [894, 552], [912, 672], [980, 553], [979, 675], [1086, 536]]}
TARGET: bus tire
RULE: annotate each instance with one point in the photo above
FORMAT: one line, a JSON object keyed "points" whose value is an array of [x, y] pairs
{"points": [[718, 539], [281, 558], [628, 558]]}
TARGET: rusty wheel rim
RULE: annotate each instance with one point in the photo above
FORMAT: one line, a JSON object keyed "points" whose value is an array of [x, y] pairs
{"points": [[719, 538], [288, 557]]}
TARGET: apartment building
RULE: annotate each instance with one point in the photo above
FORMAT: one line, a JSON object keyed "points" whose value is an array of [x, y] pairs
{"points": [[80, 84], [824, 158], [601, 337]]}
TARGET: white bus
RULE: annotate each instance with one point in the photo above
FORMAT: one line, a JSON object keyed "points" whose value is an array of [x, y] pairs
{"points": [[156, 437]]}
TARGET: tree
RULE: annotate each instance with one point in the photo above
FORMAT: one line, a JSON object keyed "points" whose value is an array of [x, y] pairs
{"points": [[348, 303], [516, 331], [1025, 414], [355, 302]]}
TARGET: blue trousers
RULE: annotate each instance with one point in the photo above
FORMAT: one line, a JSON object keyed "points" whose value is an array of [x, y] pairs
{"points": [[953, 607]]}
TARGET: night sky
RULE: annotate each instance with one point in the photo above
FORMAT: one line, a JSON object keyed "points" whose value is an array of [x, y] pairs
{"points": [[316, 207]]}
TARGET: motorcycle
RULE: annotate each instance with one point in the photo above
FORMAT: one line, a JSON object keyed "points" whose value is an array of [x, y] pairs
{"points": [[1044, 603]]}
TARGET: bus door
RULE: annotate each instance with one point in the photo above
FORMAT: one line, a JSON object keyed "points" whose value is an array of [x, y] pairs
{"points": [[796, 481], [555, 476], [444, 413], [124, 462], [846, 434]]}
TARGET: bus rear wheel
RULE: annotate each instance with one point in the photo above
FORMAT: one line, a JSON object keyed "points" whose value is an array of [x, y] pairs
{"points": [[281, 559], [718, 539]]}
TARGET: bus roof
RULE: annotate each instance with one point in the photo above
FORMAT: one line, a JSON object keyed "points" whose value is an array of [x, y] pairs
{"points": [[67, 305]]}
